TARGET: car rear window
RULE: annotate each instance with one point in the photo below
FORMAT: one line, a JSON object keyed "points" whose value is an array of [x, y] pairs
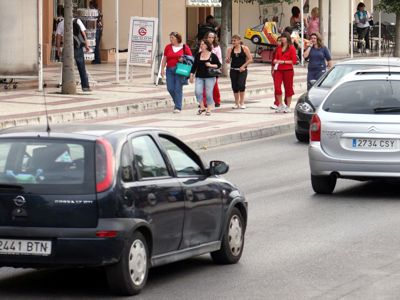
{"points": [[338, 72], [47, 166], [365, 97]]}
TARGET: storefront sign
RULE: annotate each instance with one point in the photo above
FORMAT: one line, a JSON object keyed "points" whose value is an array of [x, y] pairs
{"points": [[206, 3], [142, 41]]}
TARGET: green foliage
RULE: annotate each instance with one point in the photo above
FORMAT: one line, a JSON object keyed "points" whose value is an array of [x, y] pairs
{"points": [[389, 6]]}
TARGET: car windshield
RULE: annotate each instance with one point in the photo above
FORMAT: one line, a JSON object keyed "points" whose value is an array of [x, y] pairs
{"points": [[337, 73], [365, 97], [258, 27], [47, 166]]}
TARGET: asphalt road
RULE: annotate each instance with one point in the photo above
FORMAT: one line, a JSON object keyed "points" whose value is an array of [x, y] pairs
{"points": [[298, 245]]}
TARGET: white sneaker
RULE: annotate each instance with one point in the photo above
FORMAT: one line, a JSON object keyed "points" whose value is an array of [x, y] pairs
{"points": [[359, 50], [287, 110], [176, 111], [242, 106], [235, 106], [273, 106], [367, 51], [280, 109]]}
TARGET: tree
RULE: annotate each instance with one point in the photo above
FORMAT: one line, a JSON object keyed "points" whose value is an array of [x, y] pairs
{"points": [[392, 6], [68, 78], [226, 15]]}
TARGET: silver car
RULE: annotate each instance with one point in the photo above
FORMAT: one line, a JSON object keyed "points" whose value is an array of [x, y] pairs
{"points": [[355, 133]]}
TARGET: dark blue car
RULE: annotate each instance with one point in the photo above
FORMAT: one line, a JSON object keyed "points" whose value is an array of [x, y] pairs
{"points": [[120, 197]]}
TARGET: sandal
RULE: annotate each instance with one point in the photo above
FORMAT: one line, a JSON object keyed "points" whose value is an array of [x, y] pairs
{"points": [[208, 113], [200, 111]]}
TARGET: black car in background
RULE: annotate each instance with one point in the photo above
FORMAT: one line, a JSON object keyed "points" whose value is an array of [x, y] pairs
{"points": [[124, 198], [308, 102]]}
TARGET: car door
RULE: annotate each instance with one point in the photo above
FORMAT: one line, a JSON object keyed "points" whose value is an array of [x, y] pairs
{"points": [[156, 194], [203, 197]]}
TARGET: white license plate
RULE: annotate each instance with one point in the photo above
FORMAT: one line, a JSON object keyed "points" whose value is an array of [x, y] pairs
{"points": [[25, 247], [374, 144]]}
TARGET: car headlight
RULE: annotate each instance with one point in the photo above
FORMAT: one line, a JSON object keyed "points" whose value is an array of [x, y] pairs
{"points": [[305, 107]]}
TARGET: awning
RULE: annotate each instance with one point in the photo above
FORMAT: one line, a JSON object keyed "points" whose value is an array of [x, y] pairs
{"points": [[203, 3]]}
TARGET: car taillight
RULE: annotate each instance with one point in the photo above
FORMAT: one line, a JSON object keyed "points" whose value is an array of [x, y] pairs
{"points": [[315, 129], [106, 233], [104, 165]]}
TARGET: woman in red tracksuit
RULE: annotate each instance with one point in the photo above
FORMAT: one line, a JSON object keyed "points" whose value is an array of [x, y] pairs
{"points": [[285, 59]]}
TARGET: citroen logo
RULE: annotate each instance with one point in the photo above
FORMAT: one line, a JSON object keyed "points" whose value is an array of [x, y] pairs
{"points": [[19, 201], [372, 129]]}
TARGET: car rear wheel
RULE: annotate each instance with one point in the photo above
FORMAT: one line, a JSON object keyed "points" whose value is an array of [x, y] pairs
{"points": [[304, 138], [232, 240], [256, 39], [323, 184], [129, 275]]}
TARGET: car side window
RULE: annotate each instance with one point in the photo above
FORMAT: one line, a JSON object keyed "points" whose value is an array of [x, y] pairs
{"points": [[148, 158], [182, 162]]}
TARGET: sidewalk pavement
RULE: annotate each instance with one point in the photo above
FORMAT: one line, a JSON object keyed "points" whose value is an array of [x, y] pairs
{"points": [[141, 103]]}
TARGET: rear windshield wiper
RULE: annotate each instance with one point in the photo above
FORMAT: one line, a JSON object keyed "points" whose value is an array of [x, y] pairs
{"points": [[10, 186], [387, 109]]}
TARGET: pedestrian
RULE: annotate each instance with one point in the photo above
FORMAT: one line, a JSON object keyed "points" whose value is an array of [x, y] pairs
{"points": [[295, 20], [99, 31], [276, 102], [173, 54], [285, 59], [216, 49], [203, 62], [239, 57], [362, 19], [79, 33], [313, 22], [319, 59]]}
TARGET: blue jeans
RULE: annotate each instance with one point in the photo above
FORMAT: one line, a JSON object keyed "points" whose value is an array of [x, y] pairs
{"points": [[80, 63], [175, 87], [208, 83]]}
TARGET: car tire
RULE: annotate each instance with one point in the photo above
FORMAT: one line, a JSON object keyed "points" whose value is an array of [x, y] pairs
{"points": [[303, 138], [232, 240], [256, 39], [323, 184], [129, 275]]}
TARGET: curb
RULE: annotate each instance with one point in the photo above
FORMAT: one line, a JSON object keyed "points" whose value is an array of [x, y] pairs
{"points": [[242, 136]]}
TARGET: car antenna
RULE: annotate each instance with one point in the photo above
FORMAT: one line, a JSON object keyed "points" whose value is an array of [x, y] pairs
{"points": [[45, 108]]}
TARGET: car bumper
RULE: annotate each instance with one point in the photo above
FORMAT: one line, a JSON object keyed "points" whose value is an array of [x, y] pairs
{"points": [[302, 121], [69, 246], [323, 164]]}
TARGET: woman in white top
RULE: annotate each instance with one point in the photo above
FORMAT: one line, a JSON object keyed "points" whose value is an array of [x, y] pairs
{"points": [[362, 19], [213, 39]]}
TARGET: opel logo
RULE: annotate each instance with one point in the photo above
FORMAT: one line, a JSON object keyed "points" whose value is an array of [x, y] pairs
{"points": [[19, 201]]}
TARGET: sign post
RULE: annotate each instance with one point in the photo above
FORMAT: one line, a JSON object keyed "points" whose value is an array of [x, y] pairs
{"points": [[142, 43]]}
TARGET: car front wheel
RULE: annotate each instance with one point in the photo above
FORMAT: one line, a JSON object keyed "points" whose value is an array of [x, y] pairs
{"points": [[256, 39], [232, 240], [129, 275], [323, 184]]}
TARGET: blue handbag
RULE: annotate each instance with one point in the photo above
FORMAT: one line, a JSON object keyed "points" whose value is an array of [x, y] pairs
{"points": [[183, 69]]}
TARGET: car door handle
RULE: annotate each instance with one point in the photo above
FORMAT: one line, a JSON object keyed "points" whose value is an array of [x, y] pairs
{"points": [[189, 195], [152, 199]]}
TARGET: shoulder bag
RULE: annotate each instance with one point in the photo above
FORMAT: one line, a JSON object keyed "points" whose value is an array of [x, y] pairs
{"points": [[184, 68]]}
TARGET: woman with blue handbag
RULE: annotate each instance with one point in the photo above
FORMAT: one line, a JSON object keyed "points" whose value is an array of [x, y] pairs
{"points": [[174, 54]]}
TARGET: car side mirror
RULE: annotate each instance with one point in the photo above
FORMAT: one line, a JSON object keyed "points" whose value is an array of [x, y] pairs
{"points": [[218, 167]]}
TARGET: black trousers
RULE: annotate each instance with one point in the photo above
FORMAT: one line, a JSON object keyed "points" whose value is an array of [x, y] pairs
{"points": [[363, 33], [238, 80]]}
